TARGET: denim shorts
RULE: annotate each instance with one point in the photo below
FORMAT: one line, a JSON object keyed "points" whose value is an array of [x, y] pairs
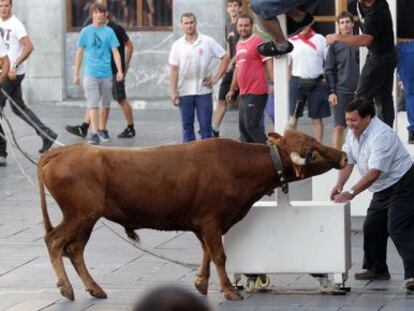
{"points": [[97, 91], [317, 99], [269, 9]]}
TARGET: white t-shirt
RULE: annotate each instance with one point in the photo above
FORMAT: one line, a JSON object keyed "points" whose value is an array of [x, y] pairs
{"points": [[3, 48], [193, 61], [12, 31], [307, 59]]}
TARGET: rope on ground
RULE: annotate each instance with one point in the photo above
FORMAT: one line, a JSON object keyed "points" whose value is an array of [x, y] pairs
{"points": [[140, 247], [44, 134], [13, 141]]}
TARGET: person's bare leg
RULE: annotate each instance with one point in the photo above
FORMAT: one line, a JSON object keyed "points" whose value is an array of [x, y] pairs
{"points": [[103, 117], [338, 137], [219, 115], [317, 129], [272, 26], [127, 109], [86, 118], [94, 119]]}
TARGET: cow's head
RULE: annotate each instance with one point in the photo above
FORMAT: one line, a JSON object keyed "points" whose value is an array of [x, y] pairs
{"points": [[306, 155]]}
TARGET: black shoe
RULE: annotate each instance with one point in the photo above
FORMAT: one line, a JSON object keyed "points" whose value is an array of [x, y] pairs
{"points": [[411, 137], [47, 143], [127, 133], [293, 27], [215, 133], [77, 130], [409, 284], [3, 161], [269, 49], [370, 275]]}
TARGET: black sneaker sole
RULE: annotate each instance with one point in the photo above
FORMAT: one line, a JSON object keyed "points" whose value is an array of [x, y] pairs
{"points": [[74, 132]]}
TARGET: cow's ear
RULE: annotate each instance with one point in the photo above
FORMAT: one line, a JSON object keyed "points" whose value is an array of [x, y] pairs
{"points": [[275, 136]]}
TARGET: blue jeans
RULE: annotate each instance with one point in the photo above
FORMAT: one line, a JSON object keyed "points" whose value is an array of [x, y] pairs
{"points": [[406, 72], [203, 106], [269, 9]]}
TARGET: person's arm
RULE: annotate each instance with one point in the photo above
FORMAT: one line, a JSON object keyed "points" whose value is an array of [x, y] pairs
{"points": [[365, 182], [27, 50], [117, 59], [128, 56], [5, 66], [354, 40], [224, 62], [269, 69], [343, 177], [331, 75], [174, 84], [78, 62], [233, 87]]}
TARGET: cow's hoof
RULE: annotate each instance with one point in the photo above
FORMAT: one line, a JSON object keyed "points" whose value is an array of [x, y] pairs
{"points": [[67, 292], [97, 292], [232, 295], [202, 285]]}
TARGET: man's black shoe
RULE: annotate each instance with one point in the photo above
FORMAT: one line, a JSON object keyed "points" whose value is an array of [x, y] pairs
{"points": [[215, 133], [293, 27], [409, 284], [370, 275], [47, 143], [269, 49], [77, 130], [411, 137], [127, 133]]}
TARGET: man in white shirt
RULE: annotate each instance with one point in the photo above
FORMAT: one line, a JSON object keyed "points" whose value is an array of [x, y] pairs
{"points": [[19, 48], [190, 79], [306, 85], [387, 170]]}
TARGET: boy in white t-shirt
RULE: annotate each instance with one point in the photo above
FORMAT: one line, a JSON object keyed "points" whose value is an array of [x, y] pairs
{"points": [[19, 47]]}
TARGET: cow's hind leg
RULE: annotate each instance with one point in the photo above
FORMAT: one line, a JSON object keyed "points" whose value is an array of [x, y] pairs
{"points": [[201, 280], [75, 251], [212, 238], [56, 240]]}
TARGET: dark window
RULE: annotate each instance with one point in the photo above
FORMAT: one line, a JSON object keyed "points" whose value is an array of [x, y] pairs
{"points": [[138, 15]]}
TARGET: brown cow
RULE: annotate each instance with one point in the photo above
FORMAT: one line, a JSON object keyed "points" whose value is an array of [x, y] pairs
{"points": [[204, 187]]}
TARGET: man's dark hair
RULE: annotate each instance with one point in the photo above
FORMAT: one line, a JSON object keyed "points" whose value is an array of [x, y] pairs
{"points": [[97, 6], [244, 16], [188, 15], [345, 14], [239, 2], [171, 298], [363, 107]]}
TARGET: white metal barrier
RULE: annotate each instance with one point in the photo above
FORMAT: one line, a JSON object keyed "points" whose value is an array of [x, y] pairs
{"points": [[290, 237]]}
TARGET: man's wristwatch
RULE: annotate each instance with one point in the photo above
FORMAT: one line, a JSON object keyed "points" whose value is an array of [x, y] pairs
{"points": [[352, 192], [14, 65]]}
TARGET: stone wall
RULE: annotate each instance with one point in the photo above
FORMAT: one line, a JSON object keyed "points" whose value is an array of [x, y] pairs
{"points": [[50, 74]]}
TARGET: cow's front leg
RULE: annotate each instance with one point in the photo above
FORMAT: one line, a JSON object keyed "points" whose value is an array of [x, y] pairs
{"points": [[215, 247], [201, 280]]}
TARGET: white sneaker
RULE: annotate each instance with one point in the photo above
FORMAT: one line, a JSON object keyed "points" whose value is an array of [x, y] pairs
{"points": [[3, 161]]}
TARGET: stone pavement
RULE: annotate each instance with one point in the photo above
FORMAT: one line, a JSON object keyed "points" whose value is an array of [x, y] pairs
{"points": [[27, 281]]}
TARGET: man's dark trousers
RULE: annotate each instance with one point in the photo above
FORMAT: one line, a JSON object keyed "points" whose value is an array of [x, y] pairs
{"points": [[391, 212], [14, 90], [376, 83], [250, 113]]}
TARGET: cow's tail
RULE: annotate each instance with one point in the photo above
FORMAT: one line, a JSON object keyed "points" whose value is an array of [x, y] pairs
{"points": [[46, 219]]}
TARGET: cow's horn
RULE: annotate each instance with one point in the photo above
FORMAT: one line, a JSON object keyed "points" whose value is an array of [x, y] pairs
{"points": [[292, 123], [297, 159]]}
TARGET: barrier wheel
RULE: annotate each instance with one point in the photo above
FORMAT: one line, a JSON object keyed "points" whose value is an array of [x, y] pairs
{"points": [[324, 285], [250, 283], [263, 281]]}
